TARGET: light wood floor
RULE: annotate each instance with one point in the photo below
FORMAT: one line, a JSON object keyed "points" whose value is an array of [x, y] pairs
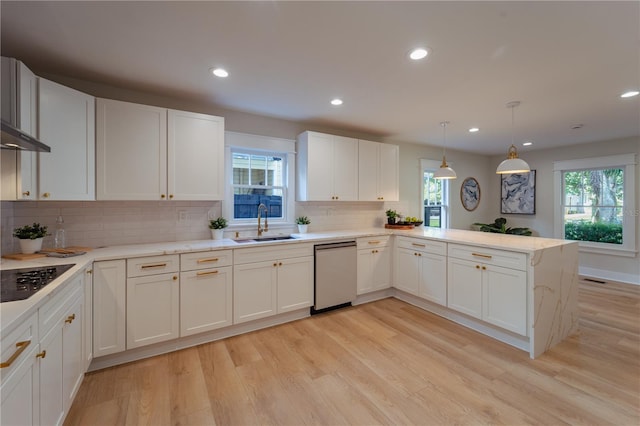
{"points": [[385, 362]]}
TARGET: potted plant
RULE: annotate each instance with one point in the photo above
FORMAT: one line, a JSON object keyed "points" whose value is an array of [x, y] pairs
{"points": [[30, 237], [499, 226], [303, 224], [391, 216], [217, 227]]}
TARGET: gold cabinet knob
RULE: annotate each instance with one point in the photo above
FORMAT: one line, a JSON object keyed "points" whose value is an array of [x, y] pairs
{"points": [[275, 264], [477, 266], [89, 271], [170, 196], [484, 268], [26, 193], [42, 354], [175, 277], [70, 318], [280, 264], [163, 196], [46, 195]]}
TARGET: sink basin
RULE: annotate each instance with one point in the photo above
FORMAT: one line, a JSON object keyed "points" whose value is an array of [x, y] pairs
{"points": [[261, 239]]}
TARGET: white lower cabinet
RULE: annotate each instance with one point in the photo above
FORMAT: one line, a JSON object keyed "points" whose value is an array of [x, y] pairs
{"points": [[421, 268], [268, 281], [374, 264], [482, 287], [51, 388], [206, 291], [153, 300], [109, 307], [87, 324]]}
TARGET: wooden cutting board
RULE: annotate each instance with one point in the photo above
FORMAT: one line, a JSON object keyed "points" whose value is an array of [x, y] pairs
{"points": [[22, 256], [398, 226], [73, 249], [43, 253]]}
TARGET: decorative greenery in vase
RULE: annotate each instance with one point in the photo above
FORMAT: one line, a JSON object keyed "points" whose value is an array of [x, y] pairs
{"points": [[499, 226], [30, 232], [219, 223], [391, 216], [303, 220]]}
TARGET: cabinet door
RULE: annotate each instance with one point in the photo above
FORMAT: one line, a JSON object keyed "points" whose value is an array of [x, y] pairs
{"points": [[131, 151], [388, 174], [320, 167], [464, 292], [433, 280], [365, 271], [67, 125], [51, 370], [153, 304], [27, 120], [72, 362], [345, 168], [254, 291], [109, 307], [368, 171], [20, 391], [206, 300], [505, 298], [381, 263], [295, 283], [87, 323], [195, 153], [407, 271]]}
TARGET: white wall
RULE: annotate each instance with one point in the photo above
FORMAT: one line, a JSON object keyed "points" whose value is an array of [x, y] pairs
{"points": [[603, 266]]}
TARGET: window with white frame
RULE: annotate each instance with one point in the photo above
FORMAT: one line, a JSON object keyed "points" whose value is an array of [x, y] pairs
{"points": [[259, 171], [596, 203], [434, 196]]}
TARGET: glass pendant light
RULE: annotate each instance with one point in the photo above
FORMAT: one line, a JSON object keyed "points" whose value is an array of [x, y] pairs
{"points": [[513, 164], [444, 172]]}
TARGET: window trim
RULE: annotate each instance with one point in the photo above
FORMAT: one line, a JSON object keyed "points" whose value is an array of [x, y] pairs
{"points": [[628, 163], [260, 145], [445, 213]]}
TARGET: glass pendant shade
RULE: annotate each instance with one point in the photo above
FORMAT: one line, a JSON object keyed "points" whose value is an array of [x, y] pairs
{"points": [[513, 164], [444, 172]]}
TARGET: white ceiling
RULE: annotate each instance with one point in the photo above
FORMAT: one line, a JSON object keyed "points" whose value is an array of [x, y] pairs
{"points": [[567, 62]]}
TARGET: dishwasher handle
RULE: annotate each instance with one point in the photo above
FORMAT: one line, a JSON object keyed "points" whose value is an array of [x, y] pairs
{"points": [[330, 246]]}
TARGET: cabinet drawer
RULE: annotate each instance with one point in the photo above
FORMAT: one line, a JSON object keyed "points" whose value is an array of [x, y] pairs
{"points": [[206, 259], [425, 246], [506, 259], [17, 344], [152, 265], [51, 312], [262, 254], [371, 242]]}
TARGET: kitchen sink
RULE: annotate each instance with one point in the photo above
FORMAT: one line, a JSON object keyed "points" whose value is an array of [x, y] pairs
{"points": [[261, 239]]}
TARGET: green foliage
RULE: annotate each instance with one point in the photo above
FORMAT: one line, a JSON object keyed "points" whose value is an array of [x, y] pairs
{"points": [[30, 232], [599, 232], [303, 220], [219, 223], [499, 226], [391, 213]]}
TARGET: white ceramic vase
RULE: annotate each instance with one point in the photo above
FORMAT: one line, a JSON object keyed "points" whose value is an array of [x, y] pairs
{"points": [[217, 234], [28, 246], [302, 229]]}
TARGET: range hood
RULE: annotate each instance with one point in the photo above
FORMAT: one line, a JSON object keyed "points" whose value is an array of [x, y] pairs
{"points": [[14, 138]]}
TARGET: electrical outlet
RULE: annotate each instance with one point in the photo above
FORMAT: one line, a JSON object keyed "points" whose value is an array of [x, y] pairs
{"points": [[182, 216]]}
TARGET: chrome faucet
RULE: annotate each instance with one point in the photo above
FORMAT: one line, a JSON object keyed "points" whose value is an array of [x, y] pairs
{"points": [[266, 221]]}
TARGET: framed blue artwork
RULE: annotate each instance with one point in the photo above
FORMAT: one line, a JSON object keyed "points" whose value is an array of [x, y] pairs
{"points": [[518, 194], [470, 194]]}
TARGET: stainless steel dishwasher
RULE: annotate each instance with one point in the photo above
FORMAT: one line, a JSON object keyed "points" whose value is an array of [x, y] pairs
{"points": [[335, 276]]}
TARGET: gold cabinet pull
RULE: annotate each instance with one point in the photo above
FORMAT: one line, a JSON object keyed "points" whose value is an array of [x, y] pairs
{"points": [[486, 256], [171, 196], [280, 264], [418, 245], [155, 265], [42, 354], [70, 318], [484, 268], [163, 196], [374, 242], [26, 193], [211, 259], [46, 195], [89, 271], [199, 274], [275, 264], [21, 346], [477, 266], [175, 277]]}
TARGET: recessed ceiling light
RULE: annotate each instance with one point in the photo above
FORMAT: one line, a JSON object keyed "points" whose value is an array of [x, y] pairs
{"points": [[474, 129], [630, 94], [220, 72], [419, 53], [527, 143], [336, 102]]}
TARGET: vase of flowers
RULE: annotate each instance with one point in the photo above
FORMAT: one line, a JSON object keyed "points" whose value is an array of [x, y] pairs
{"points": [[30, 237], [217, 227]]}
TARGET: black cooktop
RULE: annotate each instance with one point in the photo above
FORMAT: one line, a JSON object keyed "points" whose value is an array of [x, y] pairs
{"points": [[20, 284]]}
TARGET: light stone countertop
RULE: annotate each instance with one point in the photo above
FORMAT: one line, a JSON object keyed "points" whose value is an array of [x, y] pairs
{"points": [[12, 313]]}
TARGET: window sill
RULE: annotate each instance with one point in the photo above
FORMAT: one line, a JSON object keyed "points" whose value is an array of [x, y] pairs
{"points": [[611, 251]]}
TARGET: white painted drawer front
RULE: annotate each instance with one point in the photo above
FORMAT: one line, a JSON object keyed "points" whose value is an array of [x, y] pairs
{"points": [[268, 253], [17, 344], [425, 246], [51, 312], [372, 242], [506, 259], [152, 265], [205, 260]]}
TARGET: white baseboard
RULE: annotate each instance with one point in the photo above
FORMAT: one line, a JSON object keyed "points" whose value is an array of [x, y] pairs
{"points": [[609, 275]]}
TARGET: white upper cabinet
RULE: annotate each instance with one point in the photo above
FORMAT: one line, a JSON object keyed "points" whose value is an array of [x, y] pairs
{"points": [[151, 153], [378, 170], [67, 125], [195, 156], [327, 167]]}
